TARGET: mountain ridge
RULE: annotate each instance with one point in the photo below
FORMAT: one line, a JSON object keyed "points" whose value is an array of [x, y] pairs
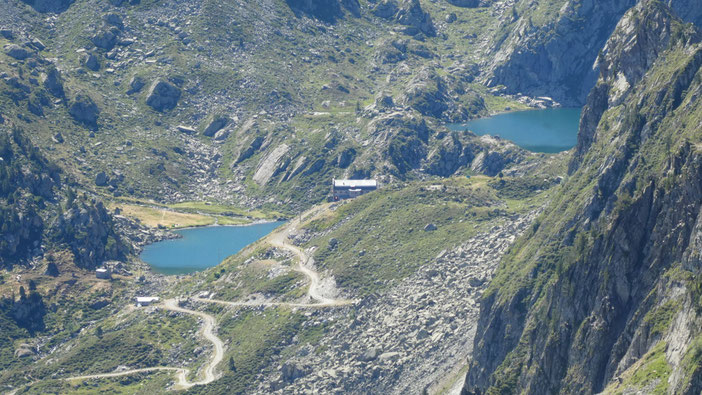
{"points": [[622, 234]]}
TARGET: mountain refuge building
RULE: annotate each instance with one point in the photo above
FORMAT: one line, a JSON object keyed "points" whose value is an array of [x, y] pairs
{"points": [[349, 189], [103, 273], [142, 301]]}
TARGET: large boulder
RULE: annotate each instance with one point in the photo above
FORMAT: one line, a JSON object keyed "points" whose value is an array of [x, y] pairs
{"points": [[216, 124], [408, 13], [106, 39], [54, 6], [386, 9], [114, 19], [325, 10], [90, 61], [84, 110], [465, 3], [412, 15], [7, 34], [17, 52], [163, 96], [136, 84], [101, 179], [53, 82]]}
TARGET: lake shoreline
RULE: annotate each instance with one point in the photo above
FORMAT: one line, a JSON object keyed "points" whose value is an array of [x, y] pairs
{"points": [[547, 131], [201, 247]]}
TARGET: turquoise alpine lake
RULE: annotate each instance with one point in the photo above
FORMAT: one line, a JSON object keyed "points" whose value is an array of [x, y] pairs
{"points": [[200, 248], [551, 130]]}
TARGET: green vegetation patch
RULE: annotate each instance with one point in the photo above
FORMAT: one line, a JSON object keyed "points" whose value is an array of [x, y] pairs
{"points": [[256, 337], [143, 339], [660, 318], [386, 235], [650, 374]]}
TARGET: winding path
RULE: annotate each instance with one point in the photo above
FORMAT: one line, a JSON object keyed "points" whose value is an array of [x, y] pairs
{"points": [[207, 331], [278, 239]]}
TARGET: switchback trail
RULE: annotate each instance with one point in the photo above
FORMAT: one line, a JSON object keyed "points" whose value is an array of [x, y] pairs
{"points": [[207, 332], [279, 239]]}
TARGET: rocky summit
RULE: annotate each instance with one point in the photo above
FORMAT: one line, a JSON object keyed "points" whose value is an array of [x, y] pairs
{"points": [[400, 241]]}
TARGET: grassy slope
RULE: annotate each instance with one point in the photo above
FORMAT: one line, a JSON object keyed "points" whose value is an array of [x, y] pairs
{"points": [[381, 237]]}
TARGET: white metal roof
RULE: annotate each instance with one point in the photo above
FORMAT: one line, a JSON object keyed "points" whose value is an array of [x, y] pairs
{"points": [[146, 299], [355, 183]]}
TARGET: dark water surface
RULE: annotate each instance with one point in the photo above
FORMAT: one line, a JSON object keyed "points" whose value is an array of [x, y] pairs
{"points": [[551, 130], [200, 248]]}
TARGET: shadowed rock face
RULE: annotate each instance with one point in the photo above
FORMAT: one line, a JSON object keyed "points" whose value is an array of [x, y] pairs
{"points": [[567, 312], [163, 96], [465, 3], [84, 110], [325, 10], [408, 13], [557, 59], [53, 6]]}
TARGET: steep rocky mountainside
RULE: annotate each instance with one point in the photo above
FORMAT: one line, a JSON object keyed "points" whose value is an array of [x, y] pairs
{"points": [[244, 102], [48, 233], [604, 292], [40, 211], [549, 48]]}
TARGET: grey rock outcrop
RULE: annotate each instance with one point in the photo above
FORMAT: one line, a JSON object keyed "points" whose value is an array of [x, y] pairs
{"points": [[621, 68], [435, 96], [84, 110], [325, 10], [53, 82], [215, 125], [163, 96], [411, 14], [272, 164], [451, 155], [553, 58], [408, 13], [90, 61], [465, 3], [52, 6], [248, 152], [136, 84], [101, 179], [106, 39], [17, 52]]}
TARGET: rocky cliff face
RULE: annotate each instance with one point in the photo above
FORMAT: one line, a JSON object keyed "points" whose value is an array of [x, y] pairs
{"points": [[604, 293], [550, 49], [39, 212]]}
